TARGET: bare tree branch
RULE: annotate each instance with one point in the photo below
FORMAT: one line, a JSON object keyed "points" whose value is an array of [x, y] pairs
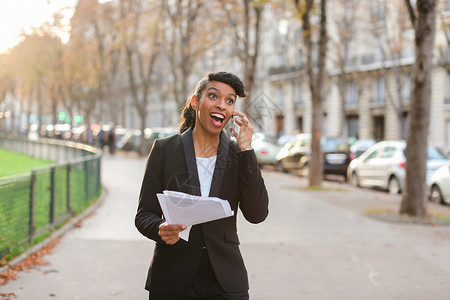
{"points": [[411, 12]]}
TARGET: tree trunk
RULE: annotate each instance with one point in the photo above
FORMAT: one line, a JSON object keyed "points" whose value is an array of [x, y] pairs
{"points": [[251, 50], [316, 85], [415, 192], [316, 163]]}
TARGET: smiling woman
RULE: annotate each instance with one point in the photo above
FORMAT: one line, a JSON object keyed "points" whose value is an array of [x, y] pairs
{"points": [[20, 17], [203, 160]]}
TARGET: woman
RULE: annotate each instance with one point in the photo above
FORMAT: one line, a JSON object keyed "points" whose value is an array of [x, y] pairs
{"points": [[202, 160]]}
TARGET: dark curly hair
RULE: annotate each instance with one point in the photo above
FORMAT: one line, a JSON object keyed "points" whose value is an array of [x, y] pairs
{"points": [[188, 113]]}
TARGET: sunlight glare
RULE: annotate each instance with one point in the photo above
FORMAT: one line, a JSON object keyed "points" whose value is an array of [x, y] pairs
{"points": [[20, 16]]}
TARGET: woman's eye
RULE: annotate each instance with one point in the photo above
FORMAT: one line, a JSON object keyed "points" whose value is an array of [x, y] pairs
{"points": [[230, 101], [212, 95]]}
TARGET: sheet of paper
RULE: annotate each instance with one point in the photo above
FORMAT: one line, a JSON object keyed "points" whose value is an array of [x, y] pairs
{"points": [[181, 208]]}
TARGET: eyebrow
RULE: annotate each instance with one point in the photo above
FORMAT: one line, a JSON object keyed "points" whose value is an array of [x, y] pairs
{"points": [[216, 89]]}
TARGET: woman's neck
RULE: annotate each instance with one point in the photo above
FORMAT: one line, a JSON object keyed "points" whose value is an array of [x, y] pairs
{"points": [[205, 145]]}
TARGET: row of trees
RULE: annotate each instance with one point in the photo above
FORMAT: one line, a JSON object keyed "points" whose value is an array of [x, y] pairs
{"points": [[141, 49], [129, 48]]}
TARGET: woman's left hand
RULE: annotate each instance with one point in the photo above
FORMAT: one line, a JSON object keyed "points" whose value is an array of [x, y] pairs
{"points": [[244, 138]]}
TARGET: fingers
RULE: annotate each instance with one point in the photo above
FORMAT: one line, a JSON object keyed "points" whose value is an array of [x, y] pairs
{"points": [[244, 137], [243, 119], [170, 233]]}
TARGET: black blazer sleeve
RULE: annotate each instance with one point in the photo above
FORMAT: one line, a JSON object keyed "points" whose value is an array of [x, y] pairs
{"points": [[254, 200], [149, 215]]}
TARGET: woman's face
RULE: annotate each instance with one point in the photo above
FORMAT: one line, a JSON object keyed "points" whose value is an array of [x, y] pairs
{"points": [[215, 106]]}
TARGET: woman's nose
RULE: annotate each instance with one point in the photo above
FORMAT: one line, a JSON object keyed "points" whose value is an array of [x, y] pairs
{"points": [[221, 104]]}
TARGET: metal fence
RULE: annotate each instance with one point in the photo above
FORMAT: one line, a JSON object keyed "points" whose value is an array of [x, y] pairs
{"points": [[34, 203]]}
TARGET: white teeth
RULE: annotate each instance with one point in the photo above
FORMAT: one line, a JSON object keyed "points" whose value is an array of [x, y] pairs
{"points": [[217, 115]]}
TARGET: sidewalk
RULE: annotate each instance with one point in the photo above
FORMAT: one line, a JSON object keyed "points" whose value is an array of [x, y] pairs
{"points": [[314, 245]]}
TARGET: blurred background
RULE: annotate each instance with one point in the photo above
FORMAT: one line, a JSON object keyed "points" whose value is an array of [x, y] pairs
{"points": [[83, 69]]}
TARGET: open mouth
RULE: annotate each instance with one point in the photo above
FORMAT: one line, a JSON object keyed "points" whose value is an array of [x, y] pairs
{"points": [[217, 119]]}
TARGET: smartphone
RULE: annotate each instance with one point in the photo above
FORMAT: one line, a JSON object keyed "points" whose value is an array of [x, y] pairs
{"points": [[235, 127]]}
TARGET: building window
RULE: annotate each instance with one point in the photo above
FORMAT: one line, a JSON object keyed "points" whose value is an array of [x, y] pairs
{"points": [[378, 128], [379, 91], [406, 89], [447, 134], [380, 9], [353, 126], [404, 124], [280, 125], [351, 96], [447, 90], [280, 101], [408, 43], [447, 6], [300, 123], [324, 124], [298, 101]]}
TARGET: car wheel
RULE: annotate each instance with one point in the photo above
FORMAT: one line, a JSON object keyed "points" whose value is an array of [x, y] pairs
{"points": [[354, 179], [279, 167], [436, 195], [304, 170], [393, 186]]}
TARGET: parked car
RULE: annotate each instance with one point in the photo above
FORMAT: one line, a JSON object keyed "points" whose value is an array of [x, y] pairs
{"points": [[130, 141], [360, 146], [288, 158], [439, 185], [383, 166], [295, 156], [336, 157], [151, 134], [266, 148]]}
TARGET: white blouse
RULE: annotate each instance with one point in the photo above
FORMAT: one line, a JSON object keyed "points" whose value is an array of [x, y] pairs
{"points": [[205, 168]]}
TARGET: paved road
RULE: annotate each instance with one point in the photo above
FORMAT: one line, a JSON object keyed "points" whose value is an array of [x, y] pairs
{"points": [[314, 245]]}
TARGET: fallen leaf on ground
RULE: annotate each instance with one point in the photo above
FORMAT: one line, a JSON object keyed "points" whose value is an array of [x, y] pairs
{"points": [[7, 296], [31, 261]]}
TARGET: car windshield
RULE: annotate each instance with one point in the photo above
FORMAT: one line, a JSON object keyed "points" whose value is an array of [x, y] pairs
{"points": [[261, 137], [334, 145], [362, 144], [435, 153]]}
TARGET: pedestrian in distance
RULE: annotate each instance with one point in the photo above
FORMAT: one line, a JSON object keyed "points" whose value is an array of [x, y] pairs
{"points": [[202, 160], [112, 140]]}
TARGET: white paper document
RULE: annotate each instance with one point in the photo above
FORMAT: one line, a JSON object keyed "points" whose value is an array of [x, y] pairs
{"points": [[189, 210]]}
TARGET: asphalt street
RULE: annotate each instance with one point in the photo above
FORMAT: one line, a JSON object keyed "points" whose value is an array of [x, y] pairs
{"points": [[314, 245]]}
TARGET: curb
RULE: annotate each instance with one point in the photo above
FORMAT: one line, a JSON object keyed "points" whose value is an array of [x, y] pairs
{"points": [[58, 233]]}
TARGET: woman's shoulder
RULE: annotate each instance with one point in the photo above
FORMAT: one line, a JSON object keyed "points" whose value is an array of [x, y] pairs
{"points": [[170, 139]]}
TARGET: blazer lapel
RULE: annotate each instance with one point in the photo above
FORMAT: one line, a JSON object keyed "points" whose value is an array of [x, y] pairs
{"points": [[189, 154], [221, 164]]}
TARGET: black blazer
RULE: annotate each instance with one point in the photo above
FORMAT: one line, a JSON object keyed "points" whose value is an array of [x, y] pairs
{"points": [[171, 165]]}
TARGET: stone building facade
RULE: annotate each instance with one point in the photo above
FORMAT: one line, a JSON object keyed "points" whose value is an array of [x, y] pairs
{"points": [[375, 97]]}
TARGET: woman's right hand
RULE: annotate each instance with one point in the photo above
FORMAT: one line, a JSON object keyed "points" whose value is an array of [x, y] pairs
{"points": [[170, 233]]}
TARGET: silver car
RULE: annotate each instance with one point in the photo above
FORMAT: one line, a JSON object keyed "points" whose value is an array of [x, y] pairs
{"points": [[383, 166], [439, 186], [266, 148]]}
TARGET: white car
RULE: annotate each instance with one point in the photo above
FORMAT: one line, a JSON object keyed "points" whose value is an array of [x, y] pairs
{"points": [[383, 166], [439, 186], [266, 148]]}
